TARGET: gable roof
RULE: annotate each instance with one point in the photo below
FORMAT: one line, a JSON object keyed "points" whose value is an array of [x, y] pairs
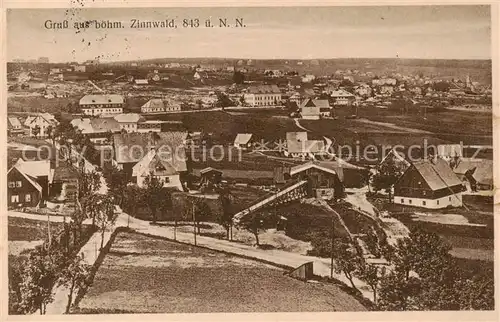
{"points": [[437, 174], [101, 99], [209, 169], [297, 142], [128, 118], [27, 177], [481, 169], [264, 89], [155, 163], [132, 147], [341, 93], [302, 167], [243, 138], [315, 103], [14, 122], [104, 124], [35, 168], [64, 172], [154, 103]]}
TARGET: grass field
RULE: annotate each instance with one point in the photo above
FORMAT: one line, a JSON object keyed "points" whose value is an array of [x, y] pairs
{"points": [[21, 229], [145, 275]]}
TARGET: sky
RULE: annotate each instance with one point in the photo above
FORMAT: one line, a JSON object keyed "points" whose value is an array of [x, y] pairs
{"points": [[428, 32]]}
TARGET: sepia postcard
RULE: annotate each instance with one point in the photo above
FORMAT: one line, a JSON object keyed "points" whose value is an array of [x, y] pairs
{"points": [[304, 159]]}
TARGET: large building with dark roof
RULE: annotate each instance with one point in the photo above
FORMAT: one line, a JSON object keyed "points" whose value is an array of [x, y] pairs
{"points": [[101, 104], [429, 184]]}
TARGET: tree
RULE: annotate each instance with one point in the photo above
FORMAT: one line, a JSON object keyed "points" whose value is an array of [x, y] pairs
{"points": [[36, 130], [371, 275], [106, 216], [116, 180], [347, 260], [202, 212], [398, 293], [74, 276], [38, 278], [225, 215], [386, 176], [223, 100], [238, 77], [254, 223], [153, 194], [49, 130], [89, 184], [132, 198]]}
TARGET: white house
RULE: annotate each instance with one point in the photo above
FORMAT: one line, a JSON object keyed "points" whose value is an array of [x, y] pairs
{"points": [[311, 109], [128, 122], [298, 146], [242, 141], [263, 95], [342, 97], [43, 121], [160, 167], [101, 104], [154, 105]]}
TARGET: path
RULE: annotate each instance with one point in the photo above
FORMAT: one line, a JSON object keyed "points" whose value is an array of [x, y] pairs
{"points": [[97, 87], [300, 126], [90, 250]]}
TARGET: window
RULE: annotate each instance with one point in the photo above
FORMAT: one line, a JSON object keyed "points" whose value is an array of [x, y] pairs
{"points": [[409, 201], [449, 198], [27, 197], [437, 202], [19, 184], [14, 198], [423, 203], [402, 200], [12, 184], [167, 179]]}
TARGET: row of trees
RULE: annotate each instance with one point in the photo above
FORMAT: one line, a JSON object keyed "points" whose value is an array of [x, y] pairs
{"points": [[421, 274]]}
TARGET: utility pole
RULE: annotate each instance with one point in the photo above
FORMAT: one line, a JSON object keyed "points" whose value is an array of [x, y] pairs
{"points": [[332, 248], [194, 225]]}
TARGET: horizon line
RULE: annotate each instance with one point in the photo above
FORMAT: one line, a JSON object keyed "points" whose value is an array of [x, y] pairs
{"points": [[240, 58]]}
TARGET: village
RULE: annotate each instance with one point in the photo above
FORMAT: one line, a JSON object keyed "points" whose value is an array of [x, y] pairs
{"points": [[336, 175]]}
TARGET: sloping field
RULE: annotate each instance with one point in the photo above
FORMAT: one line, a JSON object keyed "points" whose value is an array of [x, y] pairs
{"points": [[147, 275]]}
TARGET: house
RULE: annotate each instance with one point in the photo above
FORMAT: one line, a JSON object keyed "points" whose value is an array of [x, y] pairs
{"points": [[243, 141], [101, 104], [263, 95], [312, 109], [323, 183], [14, 126], [197, 75], [342, 97], [298, 146], [22, 189], [154, 105], [64, 185], [476, 173], [150, 126], [99, 130], [130, 148], [42, 122], [161, 167], [384, 81], [429, 184], [128, 121], [39, 170], [210, 176], [397, 159]]}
